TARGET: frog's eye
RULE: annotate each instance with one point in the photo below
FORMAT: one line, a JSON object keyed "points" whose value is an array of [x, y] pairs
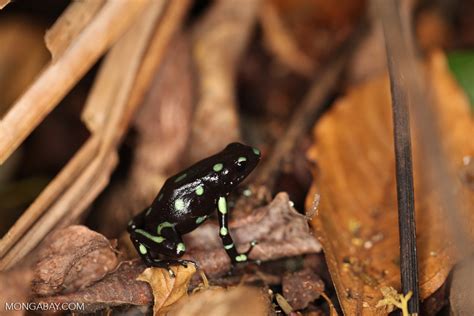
{"points": [[241, 163]]}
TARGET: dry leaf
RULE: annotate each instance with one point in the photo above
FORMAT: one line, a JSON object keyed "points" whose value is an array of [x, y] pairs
{"points": [[357, 218], [279, 229], [302, 287], [167, 290], [115, 289], [219, 40], [219, 302], [72, 258]]}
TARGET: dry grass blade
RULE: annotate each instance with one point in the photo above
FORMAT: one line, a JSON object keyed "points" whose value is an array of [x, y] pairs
{"points": [[59, 77], [74, 19], [3, 3], [392, 26], [75, 200]]}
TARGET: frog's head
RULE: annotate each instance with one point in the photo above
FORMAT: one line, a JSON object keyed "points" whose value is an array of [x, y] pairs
{"points": [[241, 160]]}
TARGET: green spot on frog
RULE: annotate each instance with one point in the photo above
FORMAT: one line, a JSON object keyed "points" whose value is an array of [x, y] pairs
{"points": [[222, 205], [241, 159], [142, 249], [223, 231], [241, 258], [256, 151], [200, 190], [200, 219], [217, 167], [157, 239], [181, 247], [181, 177], [163, 225], [227, 247], [179, 204]]}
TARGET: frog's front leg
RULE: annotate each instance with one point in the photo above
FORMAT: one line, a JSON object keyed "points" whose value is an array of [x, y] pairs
{"points": [[227, 241], [167, 242]]}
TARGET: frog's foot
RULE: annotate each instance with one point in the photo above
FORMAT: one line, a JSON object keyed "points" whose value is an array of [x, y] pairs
{"points": [[165, 264]]}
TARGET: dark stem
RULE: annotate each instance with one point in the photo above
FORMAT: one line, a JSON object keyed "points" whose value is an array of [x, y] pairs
{"points": [[388, 10]]}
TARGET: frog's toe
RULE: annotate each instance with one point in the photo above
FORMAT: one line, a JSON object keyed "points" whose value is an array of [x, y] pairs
{"points": [[253, 243]]}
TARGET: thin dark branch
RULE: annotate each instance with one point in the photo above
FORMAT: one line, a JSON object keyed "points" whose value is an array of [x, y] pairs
{"points": [[392, 26]]}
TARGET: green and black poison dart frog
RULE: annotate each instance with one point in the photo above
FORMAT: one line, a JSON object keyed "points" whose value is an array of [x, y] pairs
{"points": [[186, 200]]}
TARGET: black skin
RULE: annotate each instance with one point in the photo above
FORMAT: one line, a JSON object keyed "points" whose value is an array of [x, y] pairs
{"points": [[186, 200]]}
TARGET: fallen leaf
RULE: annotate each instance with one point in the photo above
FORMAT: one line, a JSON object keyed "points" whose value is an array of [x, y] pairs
{"points": [[220, 302], [70, 259], [167, 289], [279, 229], [219, 39], [115, 289], [357, 220], [301, 288]]}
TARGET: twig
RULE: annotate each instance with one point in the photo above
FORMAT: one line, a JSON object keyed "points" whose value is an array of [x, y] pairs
{"points": [[69, 25], [95, 176], [392, 26], [59, 77]]}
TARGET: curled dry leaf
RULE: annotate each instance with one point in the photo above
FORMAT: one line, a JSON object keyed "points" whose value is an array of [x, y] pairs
{"points": [[117, 288], [70, 259], [301, 288], [220, 302], [357, 221], [167, 290], [218, 42], [279, 229]]}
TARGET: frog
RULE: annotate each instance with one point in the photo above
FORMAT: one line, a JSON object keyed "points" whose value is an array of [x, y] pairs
{"points": [[186, 200]]}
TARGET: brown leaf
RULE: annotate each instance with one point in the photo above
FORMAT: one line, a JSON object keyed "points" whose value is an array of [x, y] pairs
{"points": [[357, 219], [72, 258], [219, 302], [301, 288], [219, 40], [117, 288], [167, 290], [279, 229]]}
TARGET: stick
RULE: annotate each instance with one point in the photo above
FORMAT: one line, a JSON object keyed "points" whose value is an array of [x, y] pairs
{"points": [[392, 26], [59, 77]]}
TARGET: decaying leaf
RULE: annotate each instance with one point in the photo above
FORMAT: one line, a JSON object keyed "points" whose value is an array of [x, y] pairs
{"points": [[219, 40], [357, 219], [279, 229], [117, 288], [167, 289], [220, 302], [72, 258], [301, 288]]}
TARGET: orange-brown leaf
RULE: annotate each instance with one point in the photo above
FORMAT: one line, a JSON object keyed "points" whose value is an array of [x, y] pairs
{"points": [[357, 219], [167, 290]]}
